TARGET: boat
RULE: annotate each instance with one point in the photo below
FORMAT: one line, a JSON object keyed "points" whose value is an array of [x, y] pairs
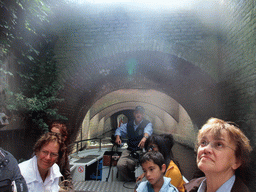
{"points": [[94, 168]]}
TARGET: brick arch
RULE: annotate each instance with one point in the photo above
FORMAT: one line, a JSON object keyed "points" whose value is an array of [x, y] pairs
{"points": [[110, 56], [109, 50], [102, 50], [189, 85]]}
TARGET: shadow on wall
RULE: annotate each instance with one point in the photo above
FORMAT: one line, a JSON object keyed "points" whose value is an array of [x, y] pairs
{"points": [[186, 158], [15, 142], [250, 175]]}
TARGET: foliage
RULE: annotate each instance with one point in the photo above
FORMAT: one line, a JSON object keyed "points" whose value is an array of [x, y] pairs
{"points": [[24, 34]]}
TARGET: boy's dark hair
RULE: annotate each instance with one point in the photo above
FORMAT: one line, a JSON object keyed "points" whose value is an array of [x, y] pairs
{"points": [[155, 157], [161, 144], [164, 143]]}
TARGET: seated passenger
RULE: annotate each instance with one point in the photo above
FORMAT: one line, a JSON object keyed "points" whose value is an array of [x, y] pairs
{"points": [[137, 131], [9, 172], [63, 163], [154, 168], [164, 144], [41, 171], [222, 151]]}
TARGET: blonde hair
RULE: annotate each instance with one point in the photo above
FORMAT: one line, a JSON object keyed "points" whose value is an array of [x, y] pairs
{"points": [[242, 143]]}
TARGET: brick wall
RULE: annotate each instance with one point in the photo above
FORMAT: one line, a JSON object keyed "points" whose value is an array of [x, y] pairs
{"points": [[238, 70], [94, 45], [238, 64]]}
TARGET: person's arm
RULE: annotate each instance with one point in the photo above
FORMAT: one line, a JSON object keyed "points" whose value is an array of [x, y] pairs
{"points": [[148, 130], [19, 180], [140, 177], [120, 132]]}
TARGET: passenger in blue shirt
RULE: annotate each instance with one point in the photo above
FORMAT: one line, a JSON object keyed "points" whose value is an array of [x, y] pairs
{"points": [[153, 165], [137, 131]]}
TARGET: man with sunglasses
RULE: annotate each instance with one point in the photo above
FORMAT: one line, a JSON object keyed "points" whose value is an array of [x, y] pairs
{"points": [[136, 131]]}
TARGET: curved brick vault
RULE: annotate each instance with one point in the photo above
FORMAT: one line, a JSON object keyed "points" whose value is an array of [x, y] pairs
{"points": [[181, 80], [103, 49], [186, 54]]}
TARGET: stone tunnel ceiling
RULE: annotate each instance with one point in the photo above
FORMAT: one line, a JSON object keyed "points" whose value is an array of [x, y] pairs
{"points": [[166, 115], [104, 50], [153, 102]]}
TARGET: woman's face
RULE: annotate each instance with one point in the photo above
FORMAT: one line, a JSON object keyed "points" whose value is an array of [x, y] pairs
{"points": [[55, 130], [217, 154], [47, 156], [152, 147]]}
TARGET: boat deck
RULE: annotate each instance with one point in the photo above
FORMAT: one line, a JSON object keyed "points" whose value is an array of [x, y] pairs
{"points": [[108, 179], [108, 182], [103, 186]]}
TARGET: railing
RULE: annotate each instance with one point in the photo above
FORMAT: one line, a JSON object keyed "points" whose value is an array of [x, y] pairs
{"points": [[84, 140], [95, 138]]}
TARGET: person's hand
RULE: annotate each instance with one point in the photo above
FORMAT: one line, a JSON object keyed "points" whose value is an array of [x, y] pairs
{"points": [[118, 140], [140, 177], [142, 143]]}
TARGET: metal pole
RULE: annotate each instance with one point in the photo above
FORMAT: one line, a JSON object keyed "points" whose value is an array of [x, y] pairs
{"points": [[81, 136], [100, 146], [97, 169]]}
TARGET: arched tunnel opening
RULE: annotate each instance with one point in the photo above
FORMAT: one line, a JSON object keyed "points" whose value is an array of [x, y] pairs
{"points": [[164, 112], [166, 74], [166, 115]]}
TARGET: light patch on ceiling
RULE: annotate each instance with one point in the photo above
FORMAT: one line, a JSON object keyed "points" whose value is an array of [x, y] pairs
{"points": [[143, 3], [105, 72]]}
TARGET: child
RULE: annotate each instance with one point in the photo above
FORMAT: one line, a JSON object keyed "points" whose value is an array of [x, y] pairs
{"points": [[164, 143], [154, 168]]}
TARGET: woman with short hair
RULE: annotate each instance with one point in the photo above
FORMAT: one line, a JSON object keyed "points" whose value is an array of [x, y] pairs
{"points": [[222, 151], [41, 171]]}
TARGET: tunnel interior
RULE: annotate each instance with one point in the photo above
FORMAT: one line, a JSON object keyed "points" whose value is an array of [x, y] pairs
{"points": [[182, 81], [165, 113], [102, 49], [183, 64]]}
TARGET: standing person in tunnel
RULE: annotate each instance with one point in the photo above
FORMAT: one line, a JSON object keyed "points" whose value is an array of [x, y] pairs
{"points": [[137, 131], [222, 155]]}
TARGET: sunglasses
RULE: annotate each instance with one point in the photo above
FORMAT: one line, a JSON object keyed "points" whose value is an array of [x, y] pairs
{"points": [[151, 147]]}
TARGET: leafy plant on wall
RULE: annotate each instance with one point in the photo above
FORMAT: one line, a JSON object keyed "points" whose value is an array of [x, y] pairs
{"points": [[26, 38]]}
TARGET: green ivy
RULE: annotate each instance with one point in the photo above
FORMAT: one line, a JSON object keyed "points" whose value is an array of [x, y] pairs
{"points": [[24, 34]]}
